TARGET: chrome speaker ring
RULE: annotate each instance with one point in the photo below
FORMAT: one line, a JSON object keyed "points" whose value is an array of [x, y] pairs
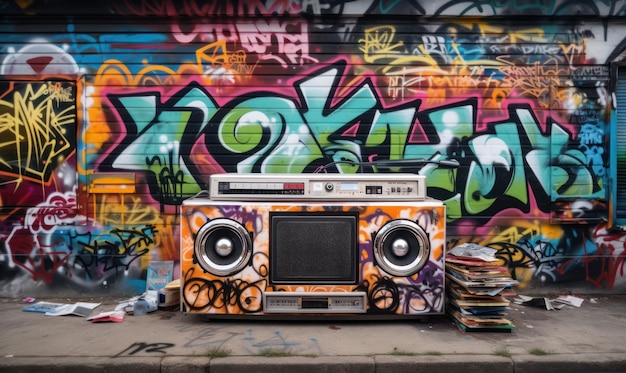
{"points": [[223, 247], [401, 247]]}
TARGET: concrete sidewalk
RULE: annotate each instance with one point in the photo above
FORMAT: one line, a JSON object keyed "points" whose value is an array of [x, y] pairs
{"points": [[591, 338]]}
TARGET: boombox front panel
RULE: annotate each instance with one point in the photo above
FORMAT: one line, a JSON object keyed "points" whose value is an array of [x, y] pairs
{"points": [[233, 254]]}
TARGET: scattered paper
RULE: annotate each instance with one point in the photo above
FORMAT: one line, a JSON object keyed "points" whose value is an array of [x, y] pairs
{"points": [[540, 302], [475, 251], [127, 305], [549, 304], [42, 307], [148, 302], [61, 309], [140, 304], [79, 309], [570, 300], [109, 316]]}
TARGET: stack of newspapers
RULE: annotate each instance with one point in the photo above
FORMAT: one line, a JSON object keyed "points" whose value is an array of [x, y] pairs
{"points": [[476, 280]]}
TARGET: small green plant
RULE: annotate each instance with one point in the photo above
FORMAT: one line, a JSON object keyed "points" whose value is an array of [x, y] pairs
{"points": [[398, 352], [270, 352], [538, 351], [432, 353], [503, 353], [219, 352]]}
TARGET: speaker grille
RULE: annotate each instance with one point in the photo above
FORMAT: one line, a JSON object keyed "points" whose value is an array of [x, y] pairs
{"points": [[314, 247]]}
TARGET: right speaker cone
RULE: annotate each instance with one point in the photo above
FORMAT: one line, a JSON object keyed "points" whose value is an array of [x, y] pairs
{"points": [[401, 247]]}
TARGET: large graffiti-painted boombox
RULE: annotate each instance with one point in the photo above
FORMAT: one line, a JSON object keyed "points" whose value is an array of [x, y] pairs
{"points": [[314, 245]]}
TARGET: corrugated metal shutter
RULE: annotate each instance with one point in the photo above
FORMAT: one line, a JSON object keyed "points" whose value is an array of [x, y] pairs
{"points": [[620, 212]]}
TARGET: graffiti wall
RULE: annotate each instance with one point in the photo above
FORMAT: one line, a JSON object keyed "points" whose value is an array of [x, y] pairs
{"points": [[112, 114]]}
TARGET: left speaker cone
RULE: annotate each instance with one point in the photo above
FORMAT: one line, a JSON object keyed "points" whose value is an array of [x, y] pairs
{"points": [[223, 247]]}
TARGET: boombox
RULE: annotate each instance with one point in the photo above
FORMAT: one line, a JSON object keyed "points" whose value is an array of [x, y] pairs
{"points": [[313, 245]]}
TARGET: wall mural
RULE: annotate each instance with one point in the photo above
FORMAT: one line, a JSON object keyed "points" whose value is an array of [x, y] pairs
{"points": [[149, 110]]}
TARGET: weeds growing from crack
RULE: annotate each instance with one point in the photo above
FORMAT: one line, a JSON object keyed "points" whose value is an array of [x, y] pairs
{"points": [[503, 353], [538, 352], [398, 352], [218, 352], [270, 352]]}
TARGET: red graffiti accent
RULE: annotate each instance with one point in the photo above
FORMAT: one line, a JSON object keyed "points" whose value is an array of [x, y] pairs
{"points": [[21, 243], [29, 255], [43, 265], [27, 244], [612, 250], [39, 64], [59, 209], [609, 255], [611, 264]]}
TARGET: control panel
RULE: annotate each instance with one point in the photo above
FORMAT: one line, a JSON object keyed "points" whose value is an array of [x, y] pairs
{"points": [[301, 302], [330, 187]]}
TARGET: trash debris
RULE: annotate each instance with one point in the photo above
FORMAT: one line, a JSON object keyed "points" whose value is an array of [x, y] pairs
{"points": [[108, 316], [549, 304], [82, 309], [42, 307], [570, 300], [159, 274], [474, 251], [169, 296], [140, 304], [161, 291], [540, 302], [474, 293], [148, 302], [127, 305]]}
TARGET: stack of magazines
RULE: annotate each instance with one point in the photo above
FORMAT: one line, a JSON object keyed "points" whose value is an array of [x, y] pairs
{"points": [[476, 280]]}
